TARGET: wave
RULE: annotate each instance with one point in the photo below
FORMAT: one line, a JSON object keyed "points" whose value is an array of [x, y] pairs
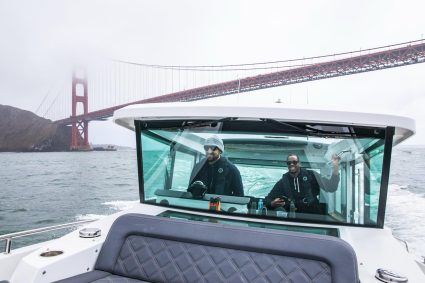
{"points": [[121, 204], [20, 210], [405, 209], [123, 185], [117, 205], [45, 221], [81, 217], [397, 187]]}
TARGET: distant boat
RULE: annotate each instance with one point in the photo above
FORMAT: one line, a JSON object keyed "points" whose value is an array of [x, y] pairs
{"points": [[105, 148]]}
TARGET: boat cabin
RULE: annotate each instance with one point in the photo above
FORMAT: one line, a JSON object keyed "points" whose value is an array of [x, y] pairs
{"points": [[257, 141]]}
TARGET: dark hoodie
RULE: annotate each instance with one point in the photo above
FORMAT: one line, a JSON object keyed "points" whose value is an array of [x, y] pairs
{"points": [[303, 190], [221, 178]]}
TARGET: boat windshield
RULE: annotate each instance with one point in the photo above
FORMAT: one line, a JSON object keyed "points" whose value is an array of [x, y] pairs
{"points": [[262, 168]]}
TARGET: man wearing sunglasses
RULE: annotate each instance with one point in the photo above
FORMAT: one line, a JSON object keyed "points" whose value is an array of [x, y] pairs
{"points": [[216, 172], [302, 187]]}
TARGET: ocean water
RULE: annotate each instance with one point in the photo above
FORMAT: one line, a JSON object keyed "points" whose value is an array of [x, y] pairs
{"points": [[43, 189]]}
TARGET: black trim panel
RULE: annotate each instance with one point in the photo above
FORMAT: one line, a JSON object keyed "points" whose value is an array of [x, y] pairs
{"points": [[389, 134]]}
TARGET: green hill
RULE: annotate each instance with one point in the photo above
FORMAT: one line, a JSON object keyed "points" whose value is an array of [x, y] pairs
{"points": [[22, 130]]}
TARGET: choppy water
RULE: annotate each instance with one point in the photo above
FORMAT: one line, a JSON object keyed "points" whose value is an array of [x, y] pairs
{"points": [[42, 189]]}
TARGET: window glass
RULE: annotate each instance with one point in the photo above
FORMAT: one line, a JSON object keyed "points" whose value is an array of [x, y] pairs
{"points": [[328, 231], [155, 159], [358, 193], [265, 169], [338, 200], [259, 179], [372, 198], [181, 174]]}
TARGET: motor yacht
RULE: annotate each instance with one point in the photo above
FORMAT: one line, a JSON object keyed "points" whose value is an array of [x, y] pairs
{"points": [[188, 229]]}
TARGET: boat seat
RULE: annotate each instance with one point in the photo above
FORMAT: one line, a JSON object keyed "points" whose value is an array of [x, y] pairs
{"points": [[142, 248]]}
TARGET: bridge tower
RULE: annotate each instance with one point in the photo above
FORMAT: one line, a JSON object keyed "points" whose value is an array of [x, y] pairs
{"points": [[80, 126]]}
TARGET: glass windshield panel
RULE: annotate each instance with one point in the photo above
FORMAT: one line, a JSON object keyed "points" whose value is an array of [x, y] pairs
{"points": [[265, 169], [304, 229]]}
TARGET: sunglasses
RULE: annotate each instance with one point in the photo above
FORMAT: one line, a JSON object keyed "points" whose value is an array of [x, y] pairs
{"points": [[208, 147], [295, 162]]}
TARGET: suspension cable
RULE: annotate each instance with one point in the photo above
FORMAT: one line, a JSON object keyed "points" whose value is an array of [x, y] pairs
{"points": [[202, 67]]}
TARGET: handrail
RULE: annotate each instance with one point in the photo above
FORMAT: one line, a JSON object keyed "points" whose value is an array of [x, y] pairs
{"points": [[8, 237]]}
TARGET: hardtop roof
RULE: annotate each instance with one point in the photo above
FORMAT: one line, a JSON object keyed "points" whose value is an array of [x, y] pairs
{"points": [[404, 126]]}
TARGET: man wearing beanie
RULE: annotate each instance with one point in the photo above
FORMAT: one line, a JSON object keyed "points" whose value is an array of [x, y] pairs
{"points": [[216, 172]]}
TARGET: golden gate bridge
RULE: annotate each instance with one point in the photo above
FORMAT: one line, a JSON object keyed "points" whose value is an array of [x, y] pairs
{"points": [[115, 84]]}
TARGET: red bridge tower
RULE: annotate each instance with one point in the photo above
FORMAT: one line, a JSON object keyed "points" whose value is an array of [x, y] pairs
{"points": [[79, 130]]}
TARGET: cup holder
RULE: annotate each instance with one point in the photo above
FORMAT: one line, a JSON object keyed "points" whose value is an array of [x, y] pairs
{"points": [[51, 253]]}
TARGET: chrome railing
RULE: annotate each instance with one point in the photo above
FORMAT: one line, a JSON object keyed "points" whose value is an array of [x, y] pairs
{"points": [[9, 237]]}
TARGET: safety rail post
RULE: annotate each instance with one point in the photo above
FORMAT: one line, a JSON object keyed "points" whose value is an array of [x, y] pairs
{"points": [[8, 246]]}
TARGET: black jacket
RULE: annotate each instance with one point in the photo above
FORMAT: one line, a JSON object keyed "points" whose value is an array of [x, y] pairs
{"points": [[222, 177], [303, 190]]}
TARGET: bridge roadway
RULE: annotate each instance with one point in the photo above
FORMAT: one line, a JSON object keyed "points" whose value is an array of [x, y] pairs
{"points": [[407, 55]]}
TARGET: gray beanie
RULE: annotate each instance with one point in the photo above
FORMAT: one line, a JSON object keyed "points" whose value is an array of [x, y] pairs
{"points": [[215, 141]]}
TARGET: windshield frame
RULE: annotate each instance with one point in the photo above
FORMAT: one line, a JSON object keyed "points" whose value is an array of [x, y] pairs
{"points": [[386, 134]]}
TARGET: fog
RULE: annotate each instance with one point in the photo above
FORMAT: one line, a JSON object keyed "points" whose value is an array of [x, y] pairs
{"points": [[41, 41]]}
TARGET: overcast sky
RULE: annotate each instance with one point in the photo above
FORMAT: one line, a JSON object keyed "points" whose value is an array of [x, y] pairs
{"points": [[41, 40]]}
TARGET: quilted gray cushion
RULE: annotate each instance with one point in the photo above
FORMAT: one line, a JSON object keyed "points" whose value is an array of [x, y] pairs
{"points": [[97, 277], [87, 277], [160, 260], [302, 249], [117, 279]]}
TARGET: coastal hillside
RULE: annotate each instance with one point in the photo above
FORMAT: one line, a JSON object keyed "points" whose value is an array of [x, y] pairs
{"points": [[22, 130]]}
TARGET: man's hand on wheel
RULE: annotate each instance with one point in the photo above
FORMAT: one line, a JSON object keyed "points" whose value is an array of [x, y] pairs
{"points": [[277, 202]]}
